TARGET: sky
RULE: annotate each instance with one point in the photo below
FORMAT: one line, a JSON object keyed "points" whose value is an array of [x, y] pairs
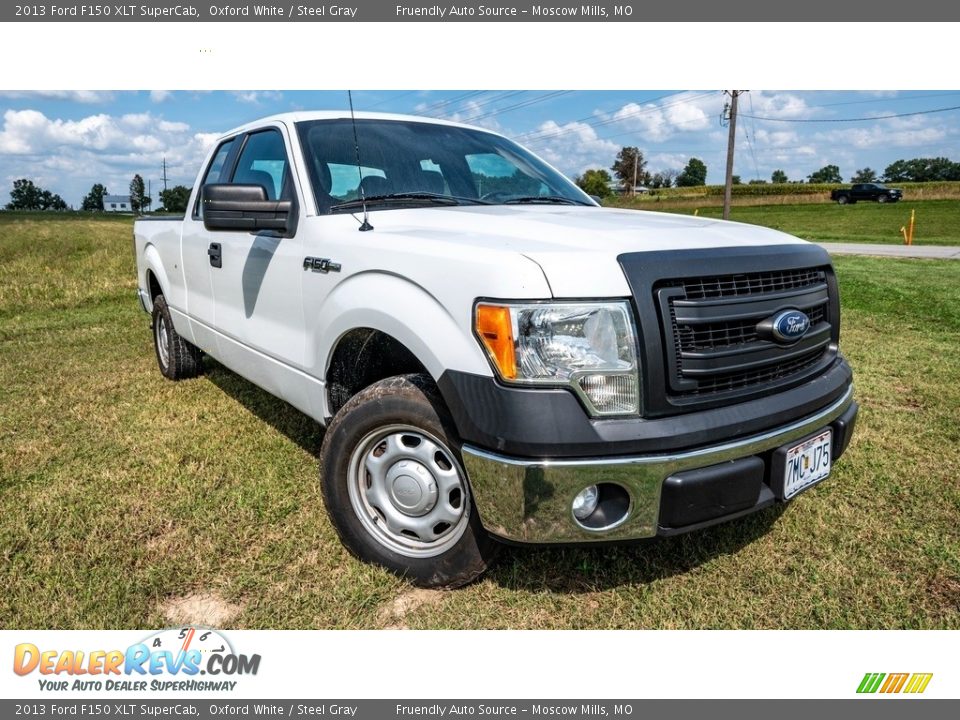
{"points": [[67, 141]]}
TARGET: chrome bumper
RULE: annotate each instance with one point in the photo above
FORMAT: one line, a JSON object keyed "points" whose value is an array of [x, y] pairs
{"points": [[530, 500]]}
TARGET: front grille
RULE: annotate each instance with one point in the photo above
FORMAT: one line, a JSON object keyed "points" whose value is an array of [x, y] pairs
{"points": [[712, 346], [734, 332], [737, 381], [750, 283]]}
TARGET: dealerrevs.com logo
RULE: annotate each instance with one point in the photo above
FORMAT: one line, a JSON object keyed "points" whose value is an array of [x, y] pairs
{"points": [[892, 683], [179, 659]]}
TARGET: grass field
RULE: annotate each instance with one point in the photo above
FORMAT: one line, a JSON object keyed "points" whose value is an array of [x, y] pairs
{"points": [[937, 221], [130, 501]]}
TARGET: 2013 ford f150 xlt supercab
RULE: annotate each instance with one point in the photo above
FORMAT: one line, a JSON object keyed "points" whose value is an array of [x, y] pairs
{"points": [[494, 356]]}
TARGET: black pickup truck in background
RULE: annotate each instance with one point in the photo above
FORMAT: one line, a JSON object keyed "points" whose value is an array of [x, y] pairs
{"points": [[866, 191]]}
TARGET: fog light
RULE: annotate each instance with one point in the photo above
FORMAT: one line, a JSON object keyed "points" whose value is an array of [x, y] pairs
{"points": [[611, 394], [585, 502]]}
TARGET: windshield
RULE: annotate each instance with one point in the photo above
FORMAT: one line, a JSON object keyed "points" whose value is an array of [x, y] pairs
{"points": [[412, 163]]}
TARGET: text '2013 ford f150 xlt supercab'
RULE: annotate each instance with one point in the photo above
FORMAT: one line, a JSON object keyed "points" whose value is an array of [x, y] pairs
{"points": [[495, 356]]}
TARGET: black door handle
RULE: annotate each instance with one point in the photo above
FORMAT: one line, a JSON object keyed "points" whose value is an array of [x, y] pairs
{"points": [[216, 258]]}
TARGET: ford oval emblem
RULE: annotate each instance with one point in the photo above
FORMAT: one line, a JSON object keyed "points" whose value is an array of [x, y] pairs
{"points": [[790, 326]]}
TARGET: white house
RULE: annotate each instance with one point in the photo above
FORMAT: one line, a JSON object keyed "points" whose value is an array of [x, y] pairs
{"points": [[117, 203]]}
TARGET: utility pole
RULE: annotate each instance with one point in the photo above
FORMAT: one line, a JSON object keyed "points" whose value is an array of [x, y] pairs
{"points": [[636, 161], [731, 139], [164, 173]]}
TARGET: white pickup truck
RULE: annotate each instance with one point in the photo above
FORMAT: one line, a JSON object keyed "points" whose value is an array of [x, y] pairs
{"points": [[495, 356]]}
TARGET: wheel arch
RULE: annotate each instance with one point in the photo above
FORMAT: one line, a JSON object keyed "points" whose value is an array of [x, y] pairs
{"points": [[397, 327], [361, 357], [155, 280]]}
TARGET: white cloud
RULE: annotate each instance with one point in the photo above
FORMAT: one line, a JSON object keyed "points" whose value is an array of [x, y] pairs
{"points": [[776, 138], [655, 122], [783, 105], [136, 120], [573, 147], [471, 112], [666, 161], [172, 127], [257, 97], [68, 156], [80, 96], [885, 134], [159, 96]]}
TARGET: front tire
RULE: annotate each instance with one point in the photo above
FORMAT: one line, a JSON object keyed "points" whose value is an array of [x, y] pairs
{"points": [[842, 200], [882, 199], [395, 488], [177, 358]]}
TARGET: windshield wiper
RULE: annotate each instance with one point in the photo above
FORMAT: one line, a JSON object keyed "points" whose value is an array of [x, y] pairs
{"points": [[534, 199], [406, 197]]}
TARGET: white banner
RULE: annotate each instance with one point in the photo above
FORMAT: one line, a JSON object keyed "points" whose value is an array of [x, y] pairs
{"points": [[460, 664]]}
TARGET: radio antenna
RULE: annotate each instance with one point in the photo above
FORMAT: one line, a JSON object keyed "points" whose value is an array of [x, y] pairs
{"points": [[365, 225]]}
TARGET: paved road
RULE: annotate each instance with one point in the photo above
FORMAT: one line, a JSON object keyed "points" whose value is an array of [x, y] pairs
{"points": [[941, 252]]}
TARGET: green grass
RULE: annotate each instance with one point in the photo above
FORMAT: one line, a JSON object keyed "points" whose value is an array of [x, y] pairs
{"points": [[120, 491], [937, 221]]}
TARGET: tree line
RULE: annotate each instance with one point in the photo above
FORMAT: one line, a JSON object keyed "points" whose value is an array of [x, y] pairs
{"points": [[27, 195], [630, 170]]}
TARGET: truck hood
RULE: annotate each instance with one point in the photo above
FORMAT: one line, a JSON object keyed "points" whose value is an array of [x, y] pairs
{"points": [[575, 246]]}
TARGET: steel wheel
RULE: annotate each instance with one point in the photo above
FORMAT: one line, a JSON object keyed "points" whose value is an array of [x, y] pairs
{"points": [[163, 341], [408, 491]]}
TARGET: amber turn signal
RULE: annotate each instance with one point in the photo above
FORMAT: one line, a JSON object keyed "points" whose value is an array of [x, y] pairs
{"points": [[496, 331]]}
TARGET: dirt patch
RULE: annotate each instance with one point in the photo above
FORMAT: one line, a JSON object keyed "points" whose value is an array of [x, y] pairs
{"points": [[165, 540], [943, 595], [207, 609], [394, 613]]}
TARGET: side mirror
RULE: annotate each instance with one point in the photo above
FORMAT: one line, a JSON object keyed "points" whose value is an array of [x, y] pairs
{"points": [[245, 208]]}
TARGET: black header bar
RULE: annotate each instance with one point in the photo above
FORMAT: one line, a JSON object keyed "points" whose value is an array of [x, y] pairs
{"points": [[740, 11]]}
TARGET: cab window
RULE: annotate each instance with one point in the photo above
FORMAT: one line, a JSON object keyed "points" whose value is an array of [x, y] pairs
{"points": [[215, 170], [263, 161]]}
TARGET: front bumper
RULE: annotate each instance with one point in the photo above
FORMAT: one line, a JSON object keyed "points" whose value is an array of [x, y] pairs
{"points": [[529, 500]]}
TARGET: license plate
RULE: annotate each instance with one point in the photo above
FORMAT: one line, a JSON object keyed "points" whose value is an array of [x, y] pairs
{"points": [[807, 464]]}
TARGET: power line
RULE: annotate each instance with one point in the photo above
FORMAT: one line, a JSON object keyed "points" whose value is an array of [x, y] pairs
{"points": [[534, 141], [859, 119], [601, 122], [533, 133], [449, 101], [645, 110], [393, 98], [525, 103], [496, 98], [886, 99]]}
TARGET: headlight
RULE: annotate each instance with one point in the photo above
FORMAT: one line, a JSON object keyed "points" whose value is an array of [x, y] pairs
{"points": [[590, 347]]}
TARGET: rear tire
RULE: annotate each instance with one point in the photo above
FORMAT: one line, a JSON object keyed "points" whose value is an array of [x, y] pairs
{"points": [[177, 358], [395, 489], [842, 200]]}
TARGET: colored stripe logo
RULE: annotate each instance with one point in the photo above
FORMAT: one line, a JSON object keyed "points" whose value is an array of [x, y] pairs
{"points": [[912, 683]]}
